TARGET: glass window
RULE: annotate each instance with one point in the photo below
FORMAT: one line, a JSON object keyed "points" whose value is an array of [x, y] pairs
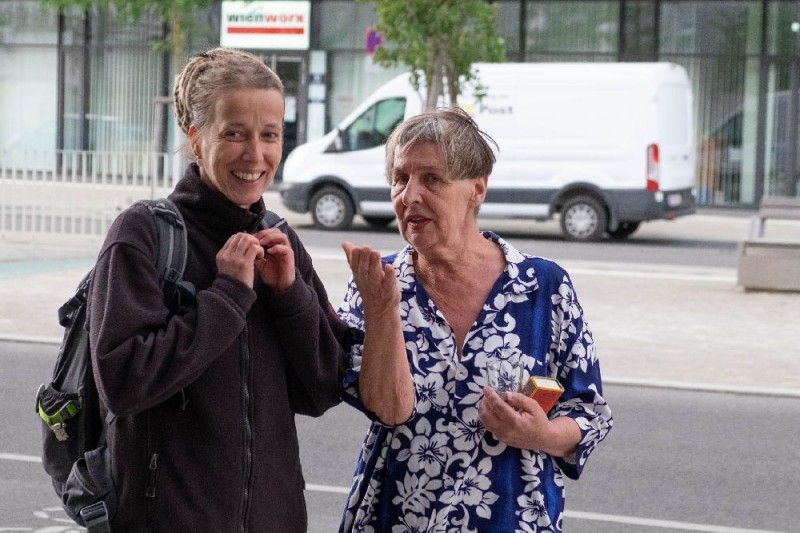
{"points": [[356, 77], [572, 28], [726, 120], [373, 126], [28, 84], [638, 31], [729, 28], [508, 14], [28, 101], [783, 28], [782, 142], [344, 25], [126, 79], [26, 22]]}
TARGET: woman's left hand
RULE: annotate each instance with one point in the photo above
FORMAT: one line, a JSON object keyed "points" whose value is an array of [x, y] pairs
{"points": [[276, 268], [520, 422], [515, 419]]}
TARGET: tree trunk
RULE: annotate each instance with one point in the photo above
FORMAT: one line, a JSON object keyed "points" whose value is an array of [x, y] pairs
{"points": [[434, 81], [453, 87]]}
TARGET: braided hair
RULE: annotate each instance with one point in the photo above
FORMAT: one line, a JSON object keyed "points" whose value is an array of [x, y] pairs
{"points": [[214, 71]]}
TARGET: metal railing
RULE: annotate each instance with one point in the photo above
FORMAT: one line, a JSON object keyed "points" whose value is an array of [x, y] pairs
{"points": [[70, 198]]}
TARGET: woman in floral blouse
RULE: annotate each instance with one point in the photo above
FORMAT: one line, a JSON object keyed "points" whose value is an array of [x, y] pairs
{"points": [[445, 452]]}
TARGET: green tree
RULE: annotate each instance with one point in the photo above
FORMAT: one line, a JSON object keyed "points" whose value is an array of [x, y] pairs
{"points": [[438, 40], [176, 13]]}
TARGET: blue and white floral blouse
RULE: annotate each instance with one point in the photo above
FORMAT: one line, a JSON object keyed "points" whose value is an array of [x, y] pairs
{"points": [[441, 470]]}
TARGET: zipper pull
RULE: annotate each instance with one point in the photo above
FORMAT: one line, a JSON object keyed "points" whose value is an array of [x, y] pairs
{"points": [[151, 477]]}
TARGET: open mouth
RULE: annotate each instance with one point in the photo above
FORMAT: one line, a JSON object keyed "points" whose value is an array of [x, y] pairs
{"points": [[416, 221], [248, 176]]}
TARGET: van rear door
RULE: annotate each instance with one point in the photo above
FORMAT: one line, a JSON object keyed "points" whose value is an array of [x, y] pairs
{"points": [[676, 151]]}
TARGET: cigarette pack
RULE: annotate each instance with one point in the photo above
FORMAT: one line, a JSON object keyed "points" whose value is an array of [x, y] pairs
{"points": [[546, 391]]}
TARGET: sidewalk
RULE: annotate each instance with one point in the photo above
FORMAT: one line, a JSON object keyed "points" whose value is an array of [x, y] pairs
{"points": [[657, 325]]}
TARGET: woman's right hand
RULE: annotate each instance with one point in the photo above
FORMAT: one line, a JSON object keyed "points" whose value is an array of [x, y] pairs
{"points": [[385, 385], [375, 281], [238, 256]]}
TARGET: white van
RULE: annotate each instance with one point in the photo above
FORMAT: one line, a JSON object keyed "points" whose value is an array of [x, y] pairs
{"points": [[605, 145]]}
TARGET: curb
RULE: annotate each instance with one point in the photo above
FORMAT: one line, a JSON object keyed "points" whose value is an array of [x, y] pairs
{"points": [[611, 380]]}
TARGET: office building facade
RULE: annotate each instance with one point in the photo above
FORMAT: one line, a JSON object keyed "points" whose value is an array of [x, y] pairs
{"points": [[93, 82]]}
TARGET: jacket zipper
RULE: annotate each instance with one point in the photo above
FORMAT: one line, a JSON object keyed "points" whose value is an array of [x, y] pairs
{"points": [[152, 474], [248, 432]]}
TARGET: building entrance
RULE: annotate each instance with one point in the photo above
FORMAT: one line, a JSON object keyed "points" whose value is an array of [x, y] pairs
{"points": [[292, 70]]}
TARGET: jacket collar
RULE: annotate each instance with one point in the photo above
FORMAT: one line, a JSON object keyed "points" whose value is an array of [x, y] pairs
{"points": [[211, 210]]}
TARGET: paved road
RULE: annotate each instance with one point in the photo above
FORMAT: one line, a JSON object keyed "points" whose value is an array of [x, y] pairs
{"points": [[676, 460]]}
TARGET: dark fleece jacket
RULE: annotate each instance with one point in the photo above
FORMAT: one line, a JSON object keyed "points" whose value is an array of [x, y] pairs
{"points": [[246, 361]]}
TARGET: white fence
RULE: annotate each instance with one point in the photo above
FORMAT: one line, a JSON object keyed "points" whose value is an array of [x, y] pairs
{"points": [[69, 198]]}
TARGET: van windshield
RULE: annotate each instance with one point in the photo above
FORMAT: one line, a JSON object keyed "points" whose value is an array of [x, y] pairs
{"points": [[373, 126]]}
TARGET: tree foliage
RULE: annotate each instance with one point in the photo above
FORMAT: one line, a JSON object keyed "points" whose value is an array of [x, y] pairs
{"points": [[438, 40], [176, 13]]}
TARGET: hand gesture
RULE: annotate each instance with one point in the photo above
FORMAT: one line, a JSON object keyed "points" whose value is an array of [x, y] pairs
{"points": [[375, 281], [238, 257], [276, 264]]}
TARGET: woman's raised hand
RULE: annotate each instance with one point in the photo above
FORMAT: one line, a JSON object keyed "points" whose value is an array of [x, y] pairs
{"points": [[276, 265]]}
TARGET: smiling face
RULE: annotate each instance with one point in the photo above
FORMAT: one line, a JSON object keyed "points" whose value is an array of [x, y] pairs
{"points": [[436, 213], [240, 147]]}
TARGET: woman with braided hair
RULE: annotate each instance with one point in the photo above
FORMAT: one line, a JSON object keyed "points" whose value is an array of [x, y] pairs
{"points": [[202, 436]]}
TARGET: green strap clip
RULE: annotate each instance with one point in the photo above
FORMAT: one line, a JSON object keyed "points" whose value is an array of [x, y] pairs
{"points": [[58, 420]]}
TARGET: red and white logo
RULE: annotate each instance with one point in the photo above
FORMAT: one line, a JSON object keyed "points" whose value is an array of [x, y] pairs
{"points": [[265, 25]]}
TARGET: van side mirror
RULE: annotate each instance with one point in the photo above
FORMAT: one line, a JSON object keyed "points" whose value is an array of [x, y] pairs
{"points": [[338, 141], [337, 144]]}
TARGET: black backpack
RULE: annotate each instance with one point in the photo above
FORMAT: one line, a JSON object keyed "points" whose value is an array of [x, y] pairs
{"points": [[74, 451]]}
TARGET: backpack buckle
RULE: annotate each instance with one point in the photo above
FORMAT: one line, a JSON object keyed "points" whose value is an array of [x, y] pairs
{"points": [[95, 517], [60, 431]]}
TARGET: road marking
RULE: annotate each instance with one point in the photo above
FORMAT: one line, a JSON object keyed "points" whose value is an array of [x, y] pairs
{"points": [[668, 524], [694, 386], [663, 274], [597, 517], [18, 457], [328, 488], [619, 519]]}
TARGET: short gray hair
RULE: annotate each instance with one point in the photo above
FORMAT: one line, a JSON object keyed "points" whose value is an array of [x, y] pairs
{"points": [[466, 149]]}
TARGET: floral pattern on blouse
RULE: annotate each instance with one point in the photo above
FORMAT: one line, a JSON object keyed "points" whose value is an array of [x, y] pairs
{"points": [[441, 470]]}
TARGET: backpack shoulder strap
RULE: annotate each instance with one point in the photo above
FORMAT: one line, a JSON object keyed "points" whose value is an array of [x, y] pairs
{"points": [[171, 239], [274, 220], [172, 251]]}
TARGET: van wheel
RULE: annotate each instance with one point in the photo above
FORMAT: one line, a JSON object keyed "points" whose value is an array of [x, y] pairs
{"points": [[332, 209], [624, 230], [378, 221], [583, 219]]}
